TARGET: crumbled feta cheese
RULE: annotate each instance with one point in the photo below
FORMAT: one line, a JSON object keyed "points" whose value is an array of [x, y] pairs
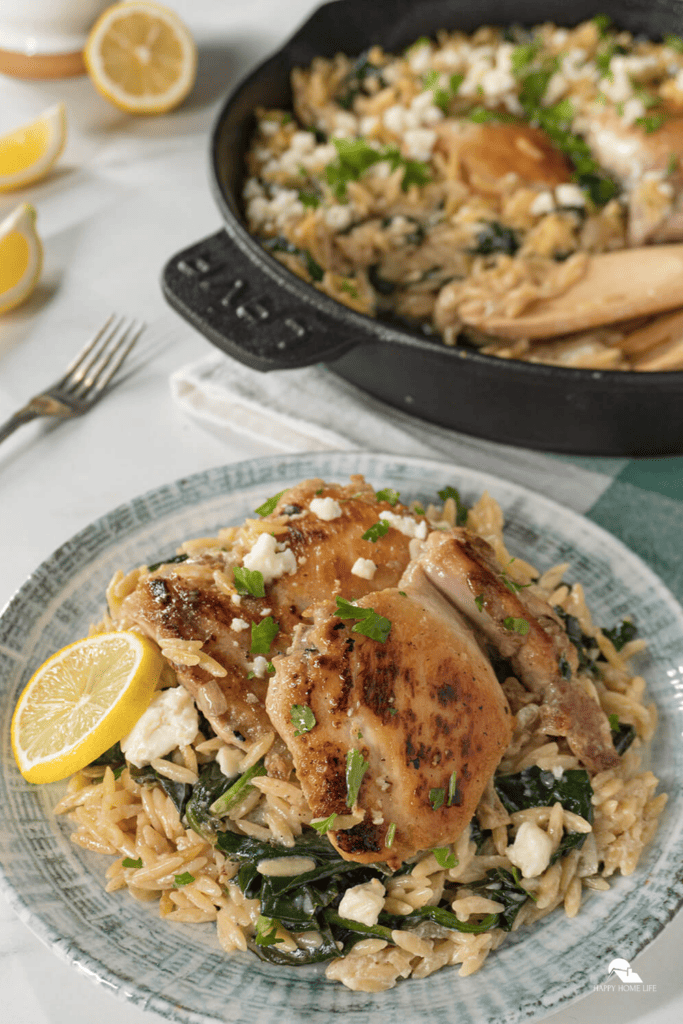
{"points": [[364, 567], [236, 599], [339, 216], [325, 508], [239, 624], [271, 559], [420, 58], [531, 850], [251, 698], [377, 817], [406, 525], [363, 903], [170, 721], [542, 204], [265, 611], [569, 195], [418, 143], [558, 771], [229, 761], [259, 666]]}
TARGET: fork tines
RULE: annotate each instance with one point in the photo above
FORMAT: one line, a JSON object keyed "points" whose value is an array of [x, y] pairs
{"points": [[106, 352]]}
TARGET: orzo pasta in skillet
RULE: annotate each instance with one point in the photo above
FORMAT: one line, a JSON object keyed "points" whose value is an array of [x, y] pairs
{"points": [[475, 175], [379, 741]]}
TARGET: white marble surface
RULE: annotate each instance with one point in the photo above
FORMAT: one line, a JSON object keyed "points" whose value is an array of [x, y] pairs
{"points": [[126, 195]]}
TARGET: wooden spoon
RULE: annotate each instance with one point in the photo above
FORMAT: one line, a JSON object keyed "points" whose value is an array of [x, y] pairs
{"points": [[616, 286]]}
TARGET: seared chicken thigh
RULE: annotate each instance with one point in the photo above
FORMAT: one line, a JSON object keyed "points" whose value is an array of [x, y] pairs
{"points": [[322, 527], [407, 731], [524, 629]]}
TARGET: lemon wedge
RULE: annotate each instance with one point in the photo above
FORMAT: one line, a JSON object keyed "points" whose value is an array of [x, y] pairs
{"points": [[29, 152], [84, 699], [141, 57], [21, 256]]}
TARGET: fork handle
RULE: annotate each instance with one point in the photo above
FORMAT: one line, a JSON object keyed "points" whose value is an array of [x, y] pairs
{"points": [[24, 415]]}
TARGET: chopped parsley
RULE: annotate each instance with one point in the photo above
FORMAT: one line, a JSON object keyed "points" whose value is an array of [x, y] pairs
{"points": [[355, 157], [417, 508], [672, 165], [437, 798], [479, 601], [350, 288], [674, 42], [445, 858], [513, 587], [356, 767], [249, 581], [391, 834], [266, 931], [452, 788], [520, 626], [442, 97], [377, 530], [651, 123], [388, 494], [183, 879], [268, 506], [370, 623], [128, 862], [461, 509], [323, 825], [309, 199], [262, 634], [613, 720], [602, 22], [302, 718]]}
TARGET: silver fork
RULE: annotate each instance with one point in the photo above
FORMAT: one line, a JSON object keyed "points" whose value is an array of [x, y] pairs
{"points": [[86, 379]]}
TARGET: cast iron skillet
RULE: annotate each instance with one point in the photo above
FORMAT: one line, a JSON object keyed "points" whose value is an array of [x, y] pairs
{"points": [[254, 309]]}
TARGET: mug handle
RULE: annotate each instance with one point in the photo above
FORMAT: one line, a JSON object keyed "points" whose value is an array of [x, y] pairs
{"points": [[246, 311]]}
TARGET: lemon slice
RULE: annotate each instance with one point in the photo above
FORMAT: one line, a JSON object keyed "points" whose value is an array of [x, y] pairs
{"points": [[21, 256], [141, 57], [29, 152], [84, 699]]}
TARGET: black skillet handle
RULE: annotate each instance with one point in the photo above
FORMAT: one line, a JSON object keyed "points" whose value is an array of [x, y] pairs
{"points": [[246, 313]]}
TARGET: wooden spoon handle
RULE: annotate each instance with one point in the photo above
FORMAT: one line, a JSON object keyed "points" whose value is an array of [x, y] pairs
{"points": [[617, 286]]}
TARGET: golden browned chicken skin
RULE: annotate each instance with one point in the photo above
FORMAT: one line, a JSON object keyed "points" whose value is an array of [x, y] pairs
{"points": [[167, 605], [464, 568], [422, 710]]}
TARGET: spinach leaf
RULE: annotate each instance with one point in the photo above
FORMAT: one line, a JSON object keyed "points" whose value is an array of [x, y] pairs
{"points": [[113, 757], [623, 736], [211, 785], [230, 797], [315, 271], [583, 643], [504, 887], [174, 560], [478, 835], [179, 792], [495, 237], [535, 787], [621, 634], [353, 84]]}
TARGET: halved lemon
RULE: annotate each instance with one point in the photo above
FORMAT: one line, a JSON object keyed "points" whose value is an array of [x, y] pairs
{"points": [[21, 256], [29, 152], [84, 699], [141, 57]]}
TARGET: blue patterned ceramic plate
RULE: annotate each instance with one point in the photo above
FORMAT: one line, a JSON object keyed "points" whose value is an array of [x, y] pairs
{"points": [[178, 970]]}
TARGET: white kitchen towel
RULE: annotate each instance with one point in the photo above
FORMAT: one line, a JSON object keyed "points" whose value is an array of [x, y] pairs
{"points": [[312, 409]]}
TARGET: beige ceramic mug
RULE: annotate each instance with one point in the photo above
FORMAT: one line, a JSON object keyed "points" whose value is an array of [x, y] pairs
{"points": [[45, 38]]}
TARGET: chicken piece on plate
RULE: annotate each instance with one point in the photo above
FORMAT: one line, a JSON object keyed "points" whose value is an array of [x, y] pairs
{"points": [[526, 630], [324, 528], [407, 730], [318, 542]]}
